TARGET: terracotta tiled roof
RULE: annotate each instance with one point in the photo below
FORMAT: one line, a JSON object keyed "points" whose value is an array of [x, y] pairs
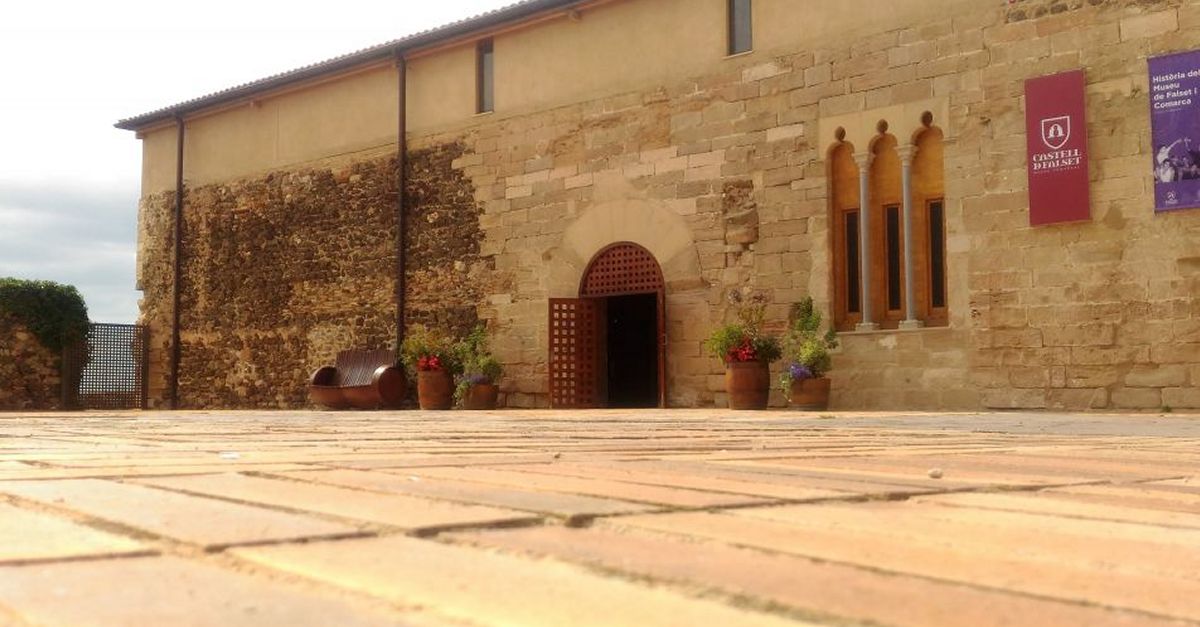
{"points": [[511, 13]]}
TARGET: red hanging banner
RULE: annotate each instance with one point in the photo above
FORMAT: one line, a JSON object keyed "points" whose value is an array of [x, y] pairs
{"points": [[1056, 143]]}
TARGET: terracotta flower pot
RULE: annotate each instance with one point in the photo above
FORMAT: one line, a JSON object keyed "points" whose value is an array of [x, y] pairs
{"points": [[481, 396], [748, 384], [810, 394], [435, 389]]}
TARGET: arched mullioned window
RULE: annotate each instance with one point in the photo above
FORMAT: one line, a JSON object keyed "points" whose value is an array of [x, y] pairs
{"points": [[888, 262], [929, 230], [845, 223], [887, 237]]}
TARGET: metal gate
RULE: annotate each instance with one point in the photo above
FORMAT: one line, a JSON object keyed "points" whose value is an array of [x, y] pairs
{"points": [[108, 370]]}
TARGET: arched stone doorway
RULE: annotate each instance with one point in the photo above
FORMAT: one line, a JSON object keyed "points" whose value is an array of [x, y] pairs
{"points": [[608, 347]]}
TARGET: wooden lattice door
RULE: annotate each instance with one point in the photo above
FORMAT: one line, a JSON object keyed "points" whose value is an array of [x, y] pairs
{"points": [[623, 268], [576, 353]]}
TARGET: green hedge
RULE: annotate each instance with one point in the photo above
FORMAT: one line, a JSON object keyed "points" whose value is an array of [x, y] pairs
{"points": [[53, 312]]}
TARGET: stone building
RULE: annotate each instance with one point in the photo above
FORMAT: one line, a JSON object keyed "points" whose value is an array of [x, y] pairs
{"points": [[629, 163]]}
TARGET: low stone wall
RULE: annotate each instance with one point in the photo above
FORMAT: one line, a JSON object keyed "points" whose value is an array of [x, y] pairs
{"points": [[30, 377]]}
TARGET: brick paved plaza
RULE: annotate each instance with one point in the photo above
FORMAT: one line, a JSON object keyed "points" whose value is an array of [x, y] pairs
{"points": [[701, 517]]}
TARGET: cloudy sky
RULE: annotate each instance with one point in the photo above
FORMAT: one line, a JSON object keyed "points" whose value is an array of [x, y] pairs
{"points": [[69, 180]]}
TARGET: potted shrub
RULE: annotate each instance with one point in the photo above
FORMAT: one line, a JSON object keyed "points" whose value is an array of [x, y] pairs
{"points": [[477, 385], [431, 356], [747, 352], [806, 349]]}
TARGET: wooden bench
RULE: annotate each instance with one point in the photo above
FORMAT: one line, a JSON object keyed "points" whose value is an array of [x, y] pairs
{"points": [[362, 379]]}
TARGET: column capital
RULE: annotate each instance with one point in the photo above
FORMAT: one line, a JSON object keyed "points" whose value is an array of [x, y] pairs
{"points": [[906, 153], [864, 159]]}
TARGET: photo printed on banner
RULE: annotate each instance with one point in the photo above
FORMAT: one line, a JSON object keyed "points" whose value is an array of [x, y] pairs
{"points": [[1175, 130]]}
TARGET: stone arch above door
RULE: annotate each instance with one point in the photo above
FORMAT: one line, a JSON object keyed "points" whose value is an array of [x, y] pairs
{"points": [[649, 224]]}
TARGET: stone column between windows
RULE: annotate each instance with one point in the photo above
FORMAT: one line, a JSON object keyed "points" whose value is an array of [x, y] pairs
{"points": [[910, 302], [863, 160]]}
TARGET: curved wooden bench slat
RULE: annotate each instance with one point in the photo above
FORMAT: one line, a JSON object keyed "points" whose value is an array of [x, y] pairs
{"points": [[363, 379]]}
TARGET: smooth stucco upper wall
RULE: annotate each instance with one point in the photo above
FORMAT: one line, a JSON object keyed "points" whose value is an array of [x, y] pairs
{"points": [[233, 143], [350, 114], [627, 45], [341, 117], [612, 47], [801, 24], [441, 88], [158, 160], [615, 47]]}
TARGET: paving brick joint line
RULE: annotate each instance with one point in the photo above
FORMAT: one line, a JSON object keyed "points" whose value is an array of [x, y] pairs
{"points": [[306, 518]]}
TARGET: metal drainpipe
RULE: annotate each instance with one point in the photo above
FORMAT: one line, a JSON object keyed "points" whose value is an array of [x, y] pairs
{"points": [[175, 291], [401, 184]]}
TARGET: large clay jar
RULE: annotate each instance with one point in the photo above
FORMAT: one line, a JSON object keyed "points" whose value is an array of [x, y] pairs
{"points": [[392, 385], [435, 389], [810, 394], [748, 384], [481, 396]]}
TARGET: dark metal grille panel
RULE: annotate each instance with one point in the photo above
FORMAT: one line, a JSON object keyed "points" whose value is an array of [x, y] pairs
{"points": [[108, 371], [624, 268], [574, 358]]}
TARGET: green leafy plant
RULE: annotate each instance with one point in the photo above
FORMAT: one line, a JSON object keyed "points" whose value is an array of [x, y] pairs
{"points": [[54, 313], [745, 339], [427, 350], [805, 346], [479, 366]]}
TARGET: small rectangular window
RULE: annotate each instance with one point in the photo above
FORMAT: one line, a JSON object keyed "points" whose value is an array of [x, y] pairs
{"points": [[485, 82], [741, 34], [893, 258], [937, 254], [853, 291]]}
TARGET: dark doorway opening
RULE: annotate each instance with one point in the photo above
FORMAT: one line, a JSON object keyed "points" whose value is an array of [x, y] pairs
{"points": [[632, 340]]}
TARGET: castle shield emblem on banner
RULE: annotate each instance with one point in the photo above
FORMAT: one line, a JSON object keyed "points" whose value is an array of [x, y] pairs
{"points": [[1056, 132]]}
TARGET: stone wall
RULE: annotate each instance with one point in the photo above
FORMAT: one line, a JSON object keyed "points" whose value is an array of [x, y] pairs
{"points": [[447, 278], [716, 179], [282, 271], [1102, 314], [156, 242], [30, 377], [1095, 315], [279, 273], [723, 177]]}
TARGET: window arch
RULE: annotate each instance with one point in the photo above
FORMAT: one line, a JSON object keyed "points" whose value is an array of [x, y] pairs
{"points": [[887, 237], [843, 174]]}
